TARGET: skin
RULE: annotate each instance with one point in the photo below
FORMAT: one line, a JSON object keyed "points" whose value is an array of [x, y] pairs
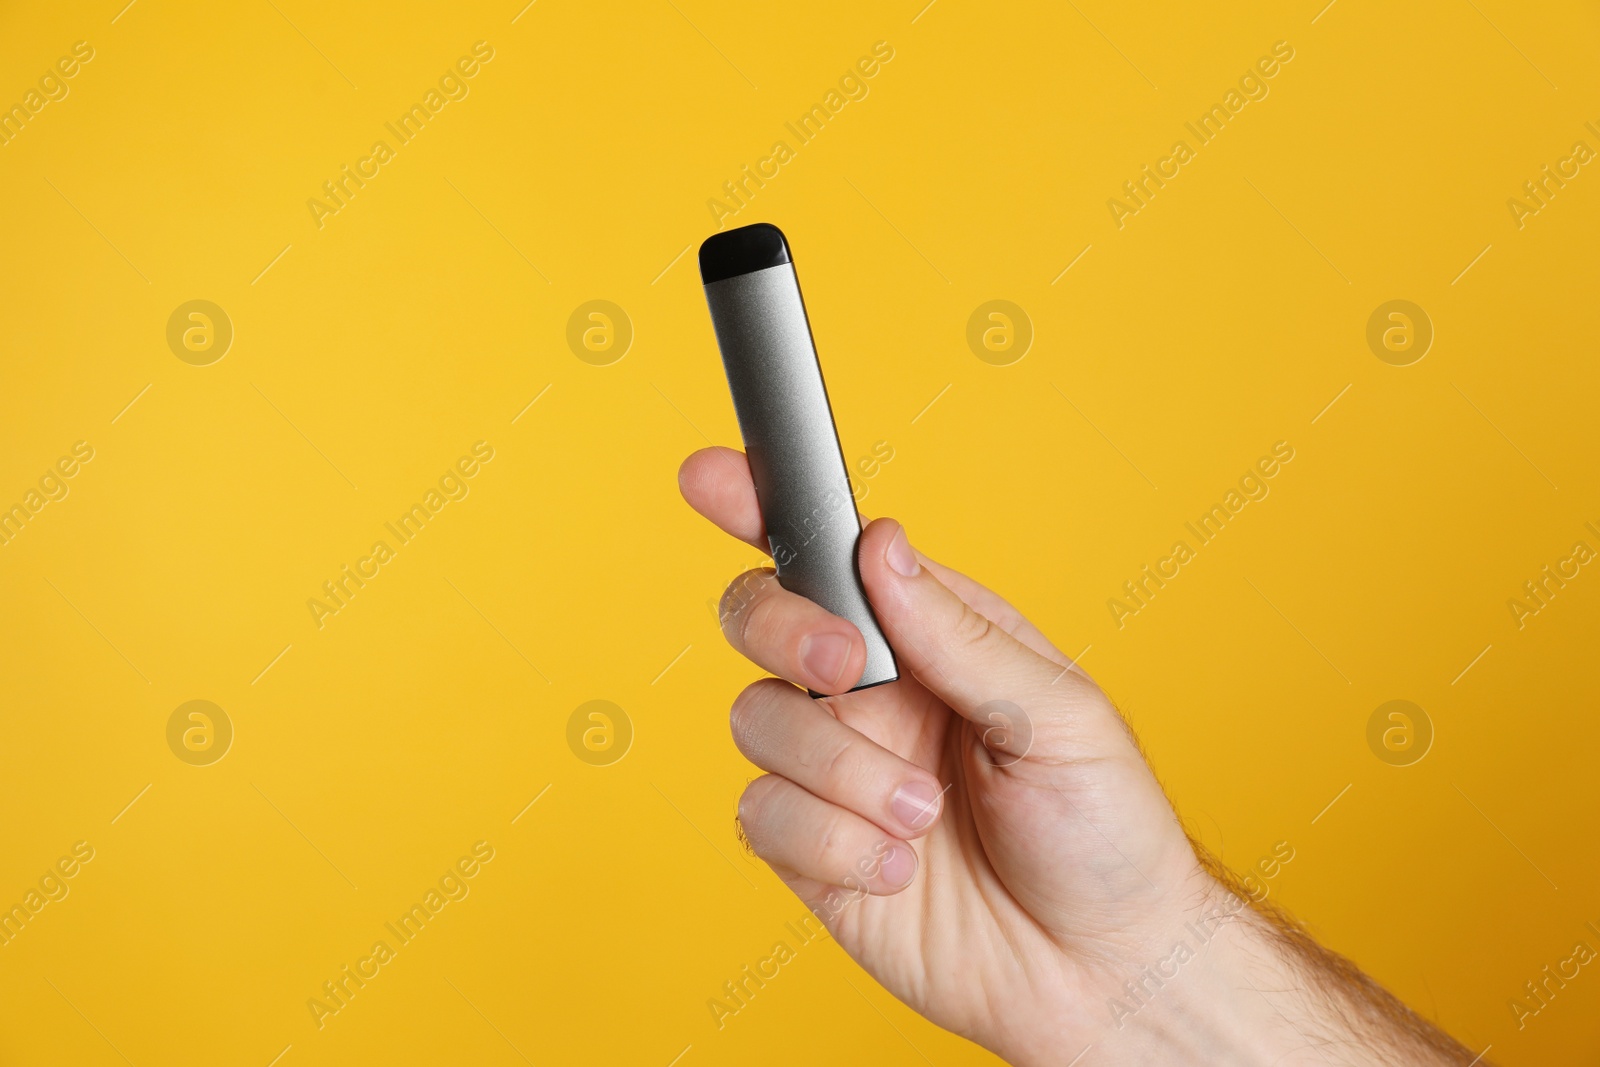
{"points": [[985, 838]]}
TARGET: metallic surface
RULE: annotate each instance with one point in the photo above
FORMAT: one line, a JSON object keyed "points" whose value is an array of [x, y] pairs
{"points": [[799, 469]]}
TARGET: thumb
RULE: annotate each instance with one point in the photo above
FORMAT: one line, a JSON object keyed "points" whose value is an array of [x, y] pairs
{"points": [[960, 655]]}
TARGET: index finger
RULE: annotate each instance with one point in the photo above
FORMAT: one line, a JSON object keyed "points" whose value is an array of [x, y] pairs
{"points": [[717, 483]]}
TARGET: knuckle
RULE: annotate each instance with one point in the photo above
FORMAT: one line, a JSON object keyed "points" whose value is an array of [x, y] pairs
{"points": [[754, 803], [830, 845], [744, 712], [837, 758], [750, 715], [755, 622], [972, 629], [742, 594]]}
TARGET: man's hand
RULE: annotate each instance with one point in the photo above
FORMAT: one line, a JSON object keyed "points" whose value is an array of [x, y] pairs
{"points": [[986, 839]]}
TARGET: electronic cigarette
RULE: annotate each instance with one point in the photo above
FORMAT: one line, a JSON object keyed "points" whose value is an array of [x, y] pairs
{"points": [[799, 469]]}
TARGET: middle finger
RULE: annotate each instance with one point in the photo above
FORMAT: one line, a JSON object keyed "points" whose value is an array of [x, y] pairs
{"points": [[791, 636]]}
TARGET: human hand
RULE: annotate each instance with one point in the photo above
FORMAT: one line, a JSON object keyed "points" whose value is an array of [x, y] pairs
{"points": [[985, 837]]}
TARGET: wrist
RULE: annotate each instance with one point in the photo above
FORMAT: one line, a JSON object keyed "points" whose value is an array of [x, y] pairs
{"points": [[1215, 981], [1214, 988], [1231, 982], [1178, 991]]}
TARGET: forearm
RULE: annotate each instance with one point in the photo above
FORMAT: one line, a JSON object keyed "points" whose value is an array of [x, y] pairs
{"points": [[1245, 984]]}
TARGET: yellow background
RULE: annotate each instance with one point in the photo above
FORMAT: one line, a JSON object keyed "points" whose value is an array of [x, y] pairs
{"points": [[428, 313]]}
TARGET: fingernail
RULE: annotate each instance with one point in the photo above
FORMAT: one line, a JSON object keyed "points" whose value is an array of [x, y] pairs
{"points": [[824, 656], [916, 804], [901, 559], [899, 867]]}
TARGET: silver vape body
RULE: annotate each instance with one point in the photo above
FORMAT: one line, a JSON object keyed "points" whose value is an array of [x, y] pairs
{"points": [[798, 466]]}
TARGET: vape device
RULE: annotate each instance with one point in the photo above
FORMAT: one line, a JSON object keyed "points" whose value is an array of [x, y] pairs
{"points": [[799, 469]]}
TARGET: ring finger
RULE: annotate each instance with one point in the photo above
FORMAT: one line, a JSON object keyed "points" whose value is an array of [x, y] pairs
{"points": [[779, 729], [794, 829]]}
